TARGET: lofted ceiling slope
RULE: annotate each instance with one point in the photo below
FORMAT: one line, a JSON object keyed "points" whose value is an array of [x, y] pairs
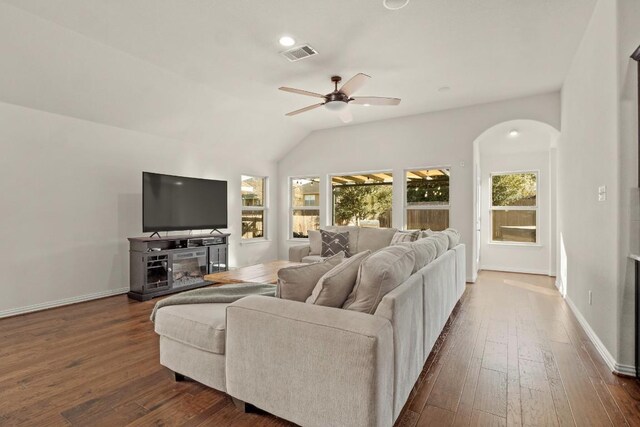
{"points": [[208, 70]]}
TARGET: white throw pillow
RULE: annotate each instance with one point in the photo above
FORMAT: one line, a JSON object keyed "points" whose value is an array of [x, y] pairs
{"points": [[379, 274], [427, 233], [441, 241], [297, 283], [335, 286], [453, 235], [425, 251], [315, 242]]}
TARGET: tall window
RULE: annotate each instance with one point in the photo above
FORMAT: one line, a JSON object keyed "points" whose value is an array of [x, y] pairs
{"points": [[427, 199], [254, 195], [514, 207], [304, 206], [362, 199]]}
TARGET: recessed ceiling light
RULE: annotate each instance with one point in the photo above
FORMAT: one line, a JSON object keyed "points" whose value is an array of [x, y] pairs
{"points": [[513, 133], [444, 89], [367, 105], [287, 41], [395, 4]]}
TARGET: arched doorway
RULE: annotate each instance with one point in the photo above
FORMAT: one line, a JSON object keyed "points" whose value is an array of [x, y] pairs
{"points": [[515, 198]]}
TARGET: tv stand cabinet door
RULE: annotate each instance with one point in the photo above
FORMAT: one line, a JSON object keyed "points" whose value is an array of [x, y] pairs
{"points": [[217, 258]]}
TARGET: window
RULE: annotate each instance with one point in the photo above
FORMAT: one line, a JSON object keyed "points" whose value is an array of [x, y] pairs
{"points": [[427, 199], [254, 192], [362, 199], [514, 207], [304, 206]]}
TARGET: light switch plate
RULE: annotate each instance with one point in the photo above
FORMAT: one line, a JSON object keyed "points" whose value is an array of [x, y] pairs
{"points": [[602, 193]]}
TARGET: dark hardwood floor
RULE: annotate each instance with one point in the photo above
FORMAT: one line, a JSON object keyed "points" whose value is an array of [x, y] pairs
{"points": [[512, 353]]}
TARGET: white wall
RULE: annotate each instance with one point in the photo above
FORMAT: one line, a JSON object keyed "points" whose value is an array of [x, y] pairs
{"points": [[529, 151], [629, 224], [434, 139], [79, 122], [71, 195], [598, 146]]}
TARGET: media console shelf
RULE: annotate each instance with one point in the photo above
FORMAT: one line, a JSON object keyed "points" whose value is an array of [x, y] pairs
{"points": [[165, 265]]}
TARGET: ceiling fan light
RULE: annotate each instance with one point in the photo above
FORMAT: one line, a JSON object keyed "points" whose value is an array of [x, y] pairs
{"points": [[395, 4], [335, 105]]}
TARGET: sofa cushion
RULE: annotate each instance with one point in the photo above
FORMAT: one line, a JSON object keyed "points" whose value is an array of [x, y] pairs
{"points": [[334, 243], [315, 242], [379, 274], [425, 251], [372, 239], [199, 325], [453, 235], [335, 286], [441, 241], [297, 283], [313, 258], [353, 231], [405, 236]]}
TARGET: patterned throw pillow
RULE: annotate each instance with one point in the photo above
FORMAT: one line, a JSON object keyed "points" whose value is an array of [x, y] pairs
{"points": [[405, 236], [334, 243]]}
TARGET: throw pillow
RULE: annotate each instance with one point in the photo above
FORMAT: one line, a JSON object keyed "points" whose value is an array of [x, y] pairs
{"points": [[405, 236], [335, 286], [334, 242], [453, 235], [315, 242], [297, 283], [378, 275], [426, 233], [425, 251], [441, 241]]}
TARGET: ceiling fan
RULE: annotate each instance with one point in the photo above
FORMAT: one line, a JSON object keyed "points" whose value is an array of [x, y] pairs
{"points": [[340, 98]]}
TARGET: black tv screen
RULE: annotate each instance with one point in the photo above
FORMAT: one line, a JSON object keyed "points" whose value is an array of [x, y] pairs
{"points": [[180, 203]]}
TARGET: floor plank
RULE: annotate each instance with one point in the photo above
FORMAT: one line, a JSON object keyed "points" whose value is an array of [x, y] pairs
{"points": [[491, 393], [436, 417]]}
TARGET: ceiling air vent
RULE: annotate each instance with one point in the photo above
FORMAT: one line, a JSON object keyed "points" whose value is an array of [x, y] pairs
{"points": [[299, 52]]}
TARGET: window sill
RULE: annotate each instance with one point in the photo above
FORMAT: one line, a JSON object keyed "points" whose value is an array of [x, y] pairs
{"points": [[254, 241], [519, 244], [300, 240]]}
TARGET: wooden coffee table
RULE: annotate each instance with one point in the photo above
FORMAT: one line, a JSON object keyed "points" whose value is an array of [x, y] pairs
{"points": [[260, 273]]}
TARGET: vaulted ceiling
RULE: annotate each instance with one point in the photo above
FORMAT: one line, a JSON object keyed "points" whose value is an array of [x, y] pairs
{"points": [[208, 70]]}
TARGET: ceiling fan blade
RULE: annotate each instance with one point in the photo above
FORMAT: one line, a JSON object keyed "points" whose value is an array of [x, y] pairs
{"points": [[301, 92], [302, 110], [375, 100], [355, 83], [346, 116]]}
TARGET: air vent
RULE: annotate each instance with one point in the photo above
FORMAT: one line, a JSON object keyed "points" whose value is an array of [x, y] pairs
{"points": [[299, 52]]}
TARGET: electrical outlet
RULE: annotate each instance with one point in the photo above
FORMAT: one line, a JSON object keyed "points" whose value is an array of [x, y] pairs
{"points": [[590, 298]]}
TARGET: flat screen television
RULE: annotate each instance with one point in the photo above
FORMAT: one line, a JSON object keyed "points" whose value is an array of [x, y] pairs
{"points": [[179, 203]]}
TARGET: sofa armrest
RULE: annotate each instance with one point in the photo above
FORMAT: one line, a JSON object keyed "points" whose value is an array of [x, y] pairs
{"points": [[312, 365], [296, 253]]}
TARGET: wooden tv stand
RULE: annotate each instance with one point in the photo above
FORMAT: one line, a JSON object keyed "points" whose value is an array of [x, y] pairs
{"points": [[165, 265]]}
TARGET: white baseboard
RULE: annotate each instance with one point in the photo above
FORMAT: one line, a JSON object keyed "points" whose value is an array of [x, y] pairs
{"points": [[613, 365], [61, 302], [515, 270]]}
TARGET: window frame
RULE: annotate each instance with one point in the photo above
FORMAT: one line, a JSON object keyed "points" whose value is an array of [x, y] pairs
{"points": [[405, 204], [330, 210], [264, 208], [304, 208], [535, 208]]}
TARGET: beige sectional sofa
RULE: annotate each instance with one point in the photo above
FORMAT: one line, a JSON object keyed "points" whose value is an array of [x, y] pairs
{"points": [[316, 365]]}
